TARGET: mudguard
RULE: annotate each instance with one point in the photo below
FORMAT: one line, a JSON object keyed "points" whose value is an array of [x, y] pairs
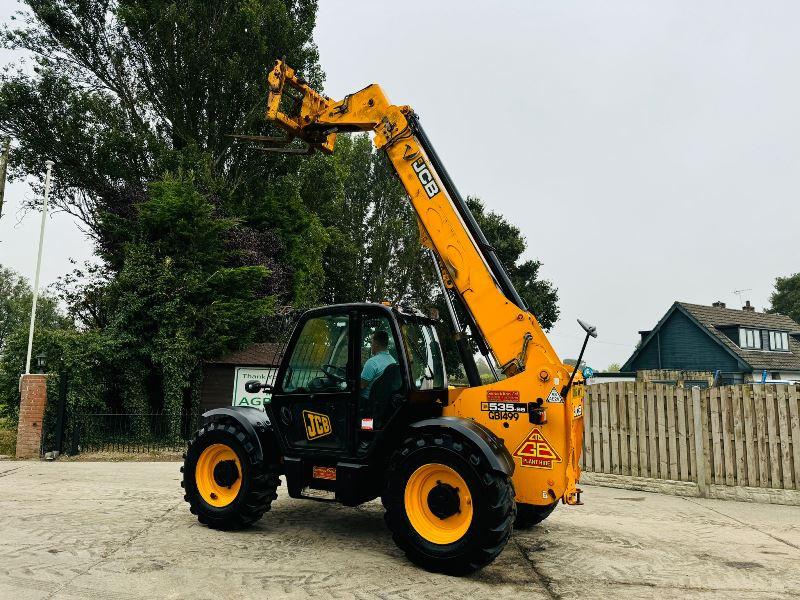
{"points": [[254, 421], [493, 447]]}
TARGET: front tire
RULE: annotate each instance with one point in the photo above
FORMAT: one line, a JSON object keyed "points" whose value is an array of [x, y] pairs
{"points": [[447, 509], [225, 483]]}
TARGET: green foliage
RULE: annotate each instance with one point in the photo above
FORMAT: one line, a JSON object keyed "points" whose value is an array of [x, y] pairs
{"points": [[175, 302], [574, 361], [374, 251], [786, 297], [613, 368], [122, 92], [301, 234], [15, 309], [8, 437]]}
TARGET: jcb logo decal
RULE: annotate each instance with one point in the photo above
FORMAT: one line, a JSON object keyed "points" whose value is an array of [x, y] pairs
{"points": [[535, 451], [317, 425], [425, 177]]}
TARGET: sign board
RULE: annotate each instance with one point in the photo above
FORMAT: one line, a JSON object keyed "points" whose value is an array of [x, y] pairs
{"points": [[241, 397]]}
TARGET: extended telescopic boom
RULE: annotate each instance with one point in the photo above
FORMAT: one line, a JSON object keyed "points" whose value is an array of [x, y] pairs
{"points": [[470, 268]]}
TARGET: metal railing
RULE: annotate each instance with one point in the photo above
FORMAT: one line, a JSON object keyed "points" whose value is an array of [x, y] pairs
{"points": [[130, 432]]}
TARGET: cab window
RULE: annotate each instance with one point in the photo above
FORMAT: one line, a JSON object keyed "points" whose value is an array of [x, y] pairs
{"points": [[319, 358], [381, 378], [424, 356], [369, 328], [378, 352]]}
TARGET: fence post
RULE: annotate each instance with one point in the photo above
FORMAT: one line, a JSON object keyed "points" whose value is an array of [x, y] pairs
{"points": [[700, 437], [62, 406], [76, 424]]}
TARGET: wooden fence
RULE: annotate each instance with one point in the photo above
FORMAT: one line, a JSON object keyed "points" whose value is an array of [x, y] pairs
{"points": [[737, 436]]}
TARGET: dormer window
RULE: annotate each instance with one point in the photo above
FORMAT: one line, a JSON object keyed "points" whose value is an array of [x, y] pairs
{"points": [[749, 338], [779, 340]]}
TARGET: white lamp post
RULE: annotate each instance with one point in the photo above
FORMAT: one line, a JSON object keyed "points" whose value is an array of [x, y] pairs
{"points": [[49, 165]]}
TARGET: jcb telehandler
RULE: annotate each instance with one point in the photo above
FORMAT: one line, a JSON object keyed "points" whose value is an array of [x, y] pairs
{"points": [[455, 467]]}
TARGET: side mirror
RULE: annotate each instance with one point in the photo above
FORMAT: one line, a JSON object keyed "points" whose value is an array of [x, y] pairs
{"points": [[254, 387], [590, 329]]}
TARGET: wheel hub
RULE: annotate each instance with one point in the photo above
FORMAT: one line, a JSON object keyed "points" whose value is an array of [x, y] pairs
{"points": [[443, 500], [438, 503], [226, 473], [218, 475]]}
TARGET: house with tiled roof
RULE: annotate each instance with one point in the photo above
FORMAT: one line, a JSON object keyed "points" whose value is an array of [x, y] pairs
{"points": [[733, 346]]}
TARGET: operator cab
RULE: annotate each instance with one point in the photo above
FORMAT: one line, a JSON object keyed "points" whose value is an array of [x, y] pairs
{"points": [[351, 373]]}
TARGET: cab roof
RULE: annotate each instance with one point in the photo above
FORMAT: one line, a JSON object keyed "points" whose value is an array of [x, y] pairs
{"points": [[402, 311]]}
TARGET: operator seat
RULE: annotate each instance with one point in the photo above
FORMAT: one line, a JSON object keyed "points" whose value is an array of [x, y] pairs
{"points": [[383, 396]]}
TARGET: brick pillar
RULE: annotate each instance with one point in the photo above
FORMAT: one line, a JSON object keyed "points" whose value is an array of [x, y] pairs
{"points": [[33, 390]]}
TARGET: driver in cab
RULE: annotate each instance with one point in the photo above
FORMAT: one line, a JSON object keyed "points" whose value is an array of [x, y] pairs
{"points": [[377, 363]]}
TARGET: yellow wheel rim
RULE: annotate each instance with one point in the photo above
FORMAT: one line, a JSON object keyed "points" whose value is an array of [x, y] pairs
{"points": [[213, 475], [438, 503]]}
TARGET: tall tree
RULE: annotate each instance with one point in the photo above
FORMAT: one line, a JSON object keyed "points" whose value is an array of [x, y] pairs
{"points": [[176, 300], [786, 297], [123, 91], [374, 251]]}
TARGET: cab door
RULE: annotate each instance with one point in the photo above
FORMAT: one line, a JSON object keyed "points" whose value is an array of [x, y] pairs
{"points": [[316, 387]]}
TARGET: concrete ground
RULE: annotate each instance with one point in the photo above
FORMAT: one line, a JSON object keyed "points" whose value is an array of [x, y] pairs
{"points": [[122, 531]]}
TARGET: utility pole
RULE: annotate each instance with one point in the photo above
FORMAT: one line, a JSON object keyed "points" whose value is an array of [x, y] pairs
{"points": [[3, 166], [49, 165]]}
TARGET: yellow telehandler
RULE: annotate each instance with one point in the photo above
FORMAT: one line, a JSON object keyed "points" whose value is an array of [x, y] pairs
{"points": [[361, 407]]}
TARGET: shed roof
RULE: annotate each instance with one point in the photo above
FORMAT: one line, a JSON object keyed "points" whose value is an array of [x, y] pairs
{"points": [[264, 354]]}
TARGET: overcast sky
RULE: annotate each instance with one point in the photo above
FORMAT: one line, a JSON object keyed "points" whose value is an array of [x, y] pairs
{"points": [[649, 151]]}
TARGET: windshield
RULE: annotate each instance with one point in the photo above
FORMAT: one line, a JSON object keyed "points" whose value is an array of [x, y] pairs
{"points": [[424, 355]]}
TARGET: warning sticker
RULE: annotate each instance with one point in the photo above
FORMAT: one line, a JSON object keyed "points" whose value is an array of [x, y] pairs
{"points": [[328, 473], [554, 396], [535, 451], [503, 395]]}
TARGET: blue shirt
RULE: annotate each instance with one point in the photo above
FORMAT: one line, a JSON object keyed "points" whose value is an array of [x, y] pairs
{"points": [[374, 368]]}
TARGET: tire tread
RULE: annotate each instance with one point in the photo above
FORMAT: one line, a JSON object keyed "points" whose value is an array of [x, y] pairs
{"points": [[259, 494], [500, 506]]}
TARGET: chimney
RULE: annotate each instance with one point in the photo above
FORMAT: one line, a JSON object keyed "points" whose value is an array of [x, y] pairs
{"points": [[718, 304], [748, 307]]}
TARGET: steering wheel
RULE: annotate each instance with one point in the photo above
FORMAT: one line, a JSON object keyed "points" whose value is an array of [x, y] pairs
{"points": [[334, 372]]}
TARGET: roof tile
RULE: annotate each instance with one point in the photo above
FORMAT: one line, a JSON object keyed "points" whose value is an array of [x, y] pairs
{"points": [[712, 317]]}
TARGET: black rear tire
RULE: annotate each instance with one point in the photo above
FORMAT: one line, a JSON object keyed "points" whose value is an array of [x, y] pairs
{"points": [[529, 515], [492, 503], [259, 479]]}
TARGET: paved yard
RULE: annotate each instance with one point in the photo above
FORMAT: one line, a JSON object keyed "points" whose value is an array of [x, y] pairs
{"points": [[122, 530]]}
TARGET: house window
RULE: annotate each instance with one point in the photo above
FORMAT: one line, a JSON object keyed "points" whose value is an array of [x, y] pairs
{"points": [[750, 338], [778, 340]]}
